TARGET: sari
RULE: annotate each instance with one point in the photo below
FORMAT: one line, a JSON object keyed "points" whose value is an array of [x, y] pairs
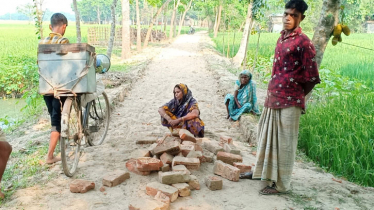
{"points": [[177, 109], [246, 97]]}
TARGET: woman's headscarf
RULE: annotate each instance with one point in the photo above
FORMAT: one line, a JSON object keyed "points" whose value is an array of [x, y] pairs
{"points": [[247, 73], [181, 108]]}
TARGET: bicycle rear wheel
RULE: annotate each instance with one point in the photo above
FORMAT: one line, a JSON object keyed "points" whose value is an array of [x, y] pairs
{"points": [[97, 119], [71, 136]]}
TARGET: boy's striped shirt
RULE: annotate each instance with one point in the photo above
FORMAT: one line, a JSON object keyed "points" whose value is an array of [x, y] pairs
{"points": [[54, 38]]}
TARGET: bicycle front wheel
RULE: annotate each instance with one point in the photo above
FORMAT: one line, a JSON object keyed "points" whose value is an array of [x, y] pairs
{"points": [[97, 119], [71, 135]]}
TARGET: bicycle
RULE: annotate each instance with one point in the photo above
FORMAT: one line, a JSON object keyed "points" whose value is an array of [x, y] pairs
{"points": [[79, 129]]}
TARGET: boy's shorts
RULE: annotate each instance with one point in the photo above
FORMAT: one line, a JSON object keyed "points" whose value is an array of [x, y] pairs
{"points": [[54, 109]]}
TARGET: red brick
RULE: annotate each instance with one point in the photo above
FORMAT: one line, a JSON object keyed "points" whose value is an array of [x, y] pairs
{"points": [[242, 167], [213, 183], [181, 168], [81, 186], [185, 135], [190, 163], [102, 189], [162, 197], [115, 178], [183, 189], [169, 147], [230, 148], [173, 177], [185, 149], [195, 154], [153, 187], [166, 158], [226, 171], [194, 183], [148, 164], [225, 140], [229, 158], [131, 166]]}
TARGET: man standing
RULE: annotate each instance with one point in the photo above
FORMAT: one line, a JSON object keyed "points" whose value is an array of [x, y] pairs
{"points": [[294, 75]]}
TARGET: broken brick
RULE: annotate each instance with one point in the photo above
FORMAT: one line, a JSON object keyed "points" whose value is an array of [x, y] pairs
{"points": [[231, 149], [213, 183], [242, 167], [194, 183], [166, 158], [141, 204], [229, 158], [190, 163], [207, 157], [181, 168], [185, 135], [212, 146], [148, 164], [131, 166], [185, 149], [165, 167], [226, 171], [153, 187], [225, 140], [169, 147], [162, 197], [81, 186], [115, 178], [173, 177], [183, 189]]}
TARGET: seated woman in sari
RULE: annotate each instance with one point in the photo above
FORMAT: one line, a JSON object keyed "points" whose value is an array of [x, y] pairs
{"points": [[244, 99], [182, 112]]}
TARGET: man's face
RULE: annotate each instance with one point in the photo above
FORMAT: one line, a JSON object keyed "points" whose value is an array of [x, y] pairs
{"points": [[291, 19]]}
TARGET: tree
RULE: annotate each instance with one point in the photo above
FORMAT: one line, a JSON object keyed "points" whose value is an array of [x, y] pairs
{"points": [[39, 13], [77, 21], [164, 5], [173, 19], [126, 45], [239, 57], [329, 18], [218, 19], [138, 38], [112, 29], [186, 8], [26, 9]]}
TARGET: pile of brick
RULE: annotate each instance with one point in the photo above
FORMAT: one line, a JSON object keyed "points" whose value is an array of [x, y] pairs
{"points": [[176, 155]]}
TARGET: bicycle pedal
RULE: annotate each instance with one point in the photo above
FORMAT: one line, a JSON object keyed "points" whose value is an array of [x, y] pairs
{"points": [[93, 128]]}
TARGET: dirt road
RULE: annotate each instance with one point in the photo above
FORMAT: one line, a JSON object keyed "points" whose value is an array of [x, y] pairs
{"points": [[183, 61]]}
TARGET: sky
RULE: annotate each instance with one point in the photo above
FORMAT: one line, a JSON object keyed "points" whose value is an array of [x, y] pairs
{"points": [[62, 6]]}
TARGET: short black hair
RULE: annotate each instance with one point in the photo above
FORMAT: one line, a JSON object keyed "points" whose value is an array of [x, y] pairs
{"points": [[299, 5], [58, 19]]}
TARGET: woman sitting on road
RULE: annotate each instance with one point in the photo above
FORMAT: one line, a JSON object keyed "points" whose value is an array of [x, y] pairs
{"points": [[182, 112], [244, 99]]}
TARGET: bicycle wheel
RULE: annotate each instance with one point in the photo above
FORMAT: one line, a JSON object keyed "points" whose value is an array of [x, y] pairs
{"points": [[97, 119], [71, 135]]}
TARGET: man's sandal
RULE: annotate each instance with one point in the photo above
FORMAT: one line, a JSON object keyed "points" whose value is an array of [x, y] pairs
{"points": [[246, 175], [275, 192]]}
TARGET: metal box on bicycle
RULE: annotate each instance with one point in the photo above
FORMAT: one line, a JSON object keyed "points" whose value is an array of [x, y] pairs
{"points": [[68, 68]]}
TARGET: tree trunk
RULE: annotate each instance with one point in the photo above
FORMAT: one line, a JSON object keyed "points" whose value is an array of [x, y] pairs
{"points": [[218, 21], [329, 18], [98, 15], [215, 19], [173, 19], [77, 22], [138, 36], [247, 45], [152, 23], [39, 17], [239, 57], [184, 15], [126, 45], [112, 29], [165, 19]]}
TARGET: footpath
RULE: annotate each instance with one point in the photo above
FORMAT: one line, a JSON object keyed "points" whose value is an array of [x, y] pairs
{"points": [[190, 59]]}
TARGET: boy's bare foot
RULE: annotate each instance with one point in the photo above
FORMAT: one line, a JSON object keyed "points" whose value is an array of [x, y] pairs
{"points": [[53, 160]]}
